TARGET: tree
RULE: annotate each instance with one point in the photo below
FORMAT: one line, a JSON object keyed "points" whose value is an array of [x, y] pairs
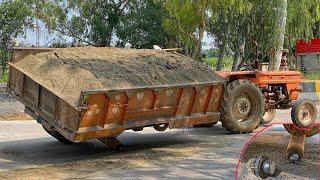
{"points": [[15, 16], [91, 22], [303, 21], [142, 27], [188, 21], [219, 29], [239, 29], [280, 31], [259, 23], [275, 25]]}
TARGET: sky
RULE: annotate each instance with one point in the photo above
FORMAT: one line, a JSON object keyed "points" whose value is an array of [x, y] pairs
{"points": [[30, 38]]}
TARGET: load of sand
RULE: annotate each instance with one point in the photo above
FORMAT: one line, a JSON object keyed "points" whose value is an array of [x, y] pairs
{"points": [[67, 72]]}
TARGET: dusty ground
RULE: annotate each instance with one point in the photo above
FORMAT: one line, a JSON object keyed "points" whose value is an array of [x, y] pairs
{"points": [[204, 153], [15, 116], [275, 148], [12, 110]]}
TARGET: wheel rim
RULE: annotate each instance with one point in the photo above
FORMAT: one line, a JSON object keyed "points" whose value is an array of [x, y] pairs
{"points": [[242, 107], [306, 113], [269, 115], [162, 125]]}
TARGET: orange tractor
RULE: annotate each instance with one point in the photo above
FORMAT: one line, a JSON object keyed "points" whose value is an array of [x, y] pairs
{"points": [[279, 90]]}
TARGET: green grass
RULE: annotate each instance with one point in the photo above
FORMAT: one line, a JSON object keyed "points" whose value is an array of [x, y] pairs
{"points": [[226, 65], [5, 77], [312, 76]]}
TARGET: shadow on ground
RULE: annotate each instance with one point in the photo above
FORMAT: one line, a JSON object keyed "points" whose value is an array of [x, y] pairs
{"points": [[188, 153]]}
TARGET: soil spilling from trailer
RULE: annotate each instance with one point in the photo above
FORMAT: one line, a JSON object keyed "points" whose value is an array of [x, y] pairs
{"points": [[66, 72]]}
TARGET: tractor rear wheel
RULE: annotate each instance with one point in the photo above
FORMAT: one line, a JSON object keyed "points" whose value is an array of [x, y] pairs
{"points": [[58, 136], [268, 116], [304, 113], [242, 107]]}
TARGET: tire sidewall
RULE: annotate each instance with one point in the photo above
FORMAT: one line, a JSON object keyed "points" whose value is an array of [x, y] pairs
{"points": [[295, 113], [236, 89]]}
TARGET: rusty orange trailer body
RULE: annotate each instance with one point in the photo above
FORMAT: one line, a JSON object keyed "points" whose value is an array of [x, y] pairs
{"points": [[109, 112]]}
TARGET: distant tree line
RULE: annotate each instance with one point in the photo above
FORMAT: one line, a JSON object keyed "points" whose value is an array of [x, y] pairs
{"points": [[238, 28]]}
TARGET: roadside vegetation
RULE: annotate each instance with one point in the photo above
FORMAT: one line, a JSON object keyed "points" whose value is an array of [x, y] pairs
{"points": [[312, 76], [226, 63], [4, 77]]}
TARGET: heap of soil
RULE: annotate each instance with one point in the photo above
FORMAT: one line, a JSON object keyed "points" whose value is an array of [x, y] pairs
{"points": [[67, 72]]}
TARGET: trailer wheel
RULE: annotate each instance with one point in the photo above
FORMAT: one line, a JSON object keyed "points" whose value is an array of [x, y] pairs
{"points": [[58, 136], [161, 127], [242, 107], [268, 116], [304, 113]]}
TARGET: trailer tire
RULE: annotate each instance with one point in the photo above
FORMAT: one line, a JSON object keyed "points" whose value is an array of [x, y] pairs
{"points": [[58, 137], [242, 107], [304, 113], [161, 127]]}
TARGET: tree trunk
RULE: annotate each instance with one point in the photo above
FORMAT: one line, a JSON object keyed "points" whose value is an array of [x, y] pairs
{"points": [[222, 49], [279, 35], [198, 49], [236, 61], [199, 45], [316, 29], [238, 56]]}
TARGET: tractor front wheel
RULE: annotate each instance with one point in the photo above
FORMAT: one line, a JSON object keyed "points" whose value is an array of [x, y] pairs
{"points": [[304, 113]]}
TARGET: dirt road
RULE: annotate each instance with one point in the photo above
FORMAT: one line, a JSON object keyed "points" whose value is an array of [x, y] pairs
{"points": [[190, 153]]}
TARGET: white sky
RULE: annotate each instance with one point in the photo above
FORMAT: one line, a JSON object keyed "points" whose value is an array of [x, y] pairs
{"points": [[29, 37]]}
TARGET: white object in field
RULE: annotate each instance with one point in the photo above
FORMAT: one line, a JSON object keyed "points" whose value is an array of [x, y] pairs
{"points": [[156, 47]]}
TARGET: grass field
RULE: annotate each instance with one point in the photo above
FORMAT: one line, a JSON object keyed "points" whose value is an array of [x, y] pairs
{"points": [[226, 65], [313, 76], [4, 78]]}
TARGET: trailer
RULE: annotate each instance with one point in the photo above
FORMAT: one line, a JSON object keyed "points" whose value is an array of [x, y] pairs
{"points": [[106, 113], [78, 94]]}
